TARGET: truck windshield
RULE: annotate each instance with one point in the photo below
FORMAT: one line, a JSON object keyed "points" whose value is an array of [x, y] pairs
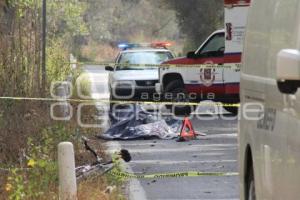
{"points": [[142, 58], [216, 43]]}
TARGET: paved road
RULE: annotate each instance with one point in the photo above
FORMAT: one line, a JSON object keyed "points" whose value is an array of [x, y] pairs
{"points": [[215, 152]]}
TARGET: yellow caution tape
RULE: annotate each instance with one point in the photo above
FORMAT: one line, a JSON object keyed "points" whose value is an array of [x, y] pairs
{"points": [[170, 175], [236, 66], [117, 172], [122, 102]]}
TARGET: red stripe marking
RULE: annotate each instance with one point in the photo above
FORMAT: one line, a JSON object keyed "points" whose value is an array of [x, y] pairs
{"points": [[230, 2], [202, 89], [232, 58], [230, 88]]}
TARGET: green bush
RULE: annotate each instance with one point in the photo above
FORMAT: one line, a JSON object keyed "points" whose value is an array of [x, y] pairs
{"points": [[40, 179], [58, 67]]}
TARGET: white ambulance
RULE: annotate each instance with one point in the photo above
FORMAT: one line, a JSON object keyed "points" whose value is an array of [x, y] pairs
{"points": [[269, 130], [222, 49]]}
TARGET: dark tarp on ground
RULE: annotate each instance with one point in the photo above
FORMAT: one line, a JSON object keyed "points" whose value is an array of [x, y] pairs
{"points": [[133, 122]]}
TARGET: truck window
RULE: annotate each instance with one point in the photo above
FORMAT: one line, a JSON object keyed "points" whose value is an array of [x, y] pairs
{"points": [[215, 44], [142, 57]]}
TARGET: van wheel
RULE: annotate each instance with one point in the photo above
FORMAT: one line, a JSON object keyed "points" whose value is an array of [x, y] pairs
{"points": [[251, 195], [288, 87], [179, 94]]}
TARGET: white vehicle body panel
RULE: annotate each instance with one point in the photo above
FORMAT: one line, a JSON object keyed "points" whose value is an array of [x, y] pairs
{"points": [[274, 140], [127, 79], [128, 75], [218, 80]]}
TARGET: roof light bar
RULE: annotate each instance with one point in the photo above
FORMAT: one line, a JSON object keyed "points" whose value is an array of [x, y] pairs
{"points": [[124, 46], [161, 44]]}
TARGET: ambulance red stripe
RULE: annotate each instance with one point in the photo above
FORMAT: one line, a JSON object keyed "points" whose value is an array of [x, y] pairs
{"points": [[232, 58], [238, 2], [218, 89]]}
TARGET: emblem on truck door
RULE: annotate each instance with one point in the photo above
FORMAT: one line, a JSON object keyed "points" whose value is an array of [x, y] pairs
{"points": [[228, 31], [207, 76]]}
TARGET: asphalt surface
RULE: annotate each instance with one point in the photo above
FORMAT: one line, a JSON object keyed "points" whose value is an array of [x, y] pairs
{"points": [[215, 152]]}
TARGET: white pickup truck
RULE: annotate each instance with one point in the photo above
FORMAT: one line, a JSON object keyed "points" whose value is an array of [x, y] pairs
{"points": [[222, 49]]}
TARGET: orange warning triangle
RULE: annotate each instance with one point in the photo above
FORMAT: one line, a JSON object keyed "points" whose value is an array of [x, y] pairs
{"points": [[187, 130]]}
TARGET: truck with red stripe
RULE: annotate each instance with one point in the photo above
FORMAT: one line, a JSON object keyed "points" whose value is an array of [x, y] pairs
{"points": [[212, 72]]}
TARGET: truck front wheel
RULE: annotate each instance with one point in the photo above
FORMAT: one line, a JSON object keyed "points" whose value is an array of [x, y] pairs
{"points": [[232, 109], [176, 92]]}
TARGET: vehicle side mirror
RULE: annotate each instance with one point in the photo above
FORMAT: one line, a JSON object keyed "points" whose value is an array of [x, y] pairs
{"points": [[288, 71], [109, 68], [191, 55]]}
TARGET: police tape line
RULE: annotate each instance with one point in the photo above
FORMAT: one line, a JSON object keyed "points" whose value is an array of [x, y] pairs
{"points": [[235, 66], [122, 102], [118, 172], [170, 175]]}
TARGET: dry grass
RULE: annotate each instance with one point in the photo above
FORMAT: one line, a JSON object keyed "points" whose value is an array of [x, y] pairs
{"points": [[94, 189], [21, 120]]}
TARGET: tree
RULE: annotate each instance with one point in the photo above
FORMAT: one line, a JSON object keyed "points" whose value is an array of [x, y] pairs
{"points": [[114, 21], [20, 42], [197, 18]]}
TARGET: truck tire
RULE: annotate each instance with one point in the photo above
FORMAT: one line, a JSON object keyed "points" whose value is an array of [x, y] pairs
{"points": [[232, 110], [250, 185], [175, 88]]}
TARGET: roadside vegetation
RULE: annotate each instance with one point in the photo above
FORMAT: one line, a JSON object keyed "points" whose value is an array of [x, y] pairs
{"points": [[28, 135], [89, 30]]}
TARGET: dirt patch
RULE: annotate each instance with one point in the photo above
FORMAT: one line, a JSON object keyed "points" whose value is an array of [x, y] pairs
{"points": [[22, 120]]}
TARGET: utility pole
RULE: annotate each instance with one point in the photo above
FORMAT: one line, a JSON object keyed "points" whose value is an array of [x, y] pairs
{"points": [[44, 24]]}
